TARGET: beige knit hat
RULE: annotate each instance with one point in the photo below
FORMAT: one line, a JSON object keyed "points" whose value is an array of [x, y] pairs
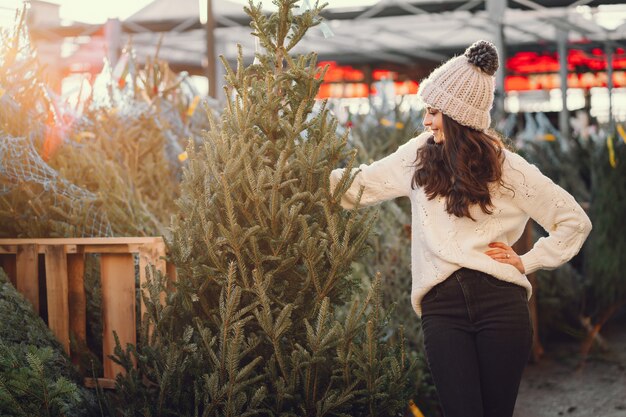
{"points": [[462, 88]]}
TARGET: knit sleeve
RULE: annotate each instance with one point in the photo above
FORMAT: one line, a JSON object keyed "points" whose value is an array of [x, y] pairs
{"points": [[554, 209], [382, 180]]}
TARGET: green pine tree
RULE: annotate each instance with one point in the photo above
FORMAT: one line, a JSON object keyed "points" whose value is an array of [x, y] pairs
{"points": [[580, 298], [127, 146], [605, 260], [30, 126], [36, 376], [376, 134], [265, 318], [560, 293]]}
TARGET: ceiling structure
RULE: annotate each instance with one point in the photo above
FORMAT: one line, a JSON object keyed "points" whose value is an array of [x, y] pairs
{"points": [[408, 37], [400, 32], [394, 31]]}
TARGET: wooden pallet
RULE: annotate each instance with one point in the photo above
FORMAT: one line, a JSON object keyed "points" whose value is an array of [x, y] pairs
{"points": [[65, 291]]}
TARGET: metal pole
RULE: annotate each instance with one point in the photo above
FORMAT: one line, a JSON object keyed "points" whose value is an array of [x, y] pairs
{"points": [[496, 10], [562, 51], [220, 71], [608, 50], [210, 50], [113, 40]]}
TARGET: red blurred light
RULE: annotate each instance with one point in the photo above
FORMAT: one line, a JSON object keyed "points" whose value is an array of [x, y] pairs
{"points": [[528, 71], [577, 60], [378, 75], [338, 73]]}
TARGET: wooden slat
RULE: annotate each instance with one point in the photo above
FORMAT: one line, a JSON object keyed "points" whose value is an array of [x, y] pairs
{"points": [[27, 270], [151, 255], [83, 241], [113, 248], [171, 272], [71, 248], [159, 255], [77, 298], [57, 294], [104, 383], [118, 306], [8, 249], [89, 245], [144, 261], [8, 263]]}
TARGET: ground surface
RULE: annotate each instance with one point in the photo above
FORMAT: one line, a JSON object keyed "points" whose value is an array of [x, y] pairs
{"points": [[554, 387]]}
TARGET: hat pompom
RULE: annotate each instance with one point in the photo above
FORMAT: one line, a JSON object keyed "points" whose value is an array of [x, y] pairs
{"points": [[484, 55]]}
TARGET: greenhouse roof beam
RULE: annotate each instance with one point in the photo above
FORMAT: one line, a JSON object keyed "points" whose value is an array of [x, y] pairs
{"points": [[383, 55], [413, 52], [373, 10], [468, 5], [579, 3], [411, 9], [537, 36], [563, 24]]}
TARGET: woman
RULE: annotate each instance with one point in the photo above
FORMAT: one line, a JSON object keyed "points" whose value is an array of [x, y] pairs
{"points": [[470, 201]]}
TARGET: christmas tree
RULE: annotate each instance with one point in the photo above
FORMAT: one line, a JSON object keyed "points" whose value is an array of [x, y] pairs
{"points": [[580, 298], [266, 317], [36, 376], [29, 187], [605, 260], [388, 124], [109, 165], [560, 293], [376, 134], [128, 144]]}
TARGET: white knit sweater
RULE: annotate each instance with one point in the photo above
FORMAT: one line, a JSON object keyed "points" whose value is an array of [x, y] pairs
{"points": [[442, 243]]}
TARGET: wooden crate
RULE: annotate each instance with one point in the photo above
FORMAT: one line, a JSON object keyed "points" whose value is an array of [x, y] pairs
{"points": [[65, 292]]}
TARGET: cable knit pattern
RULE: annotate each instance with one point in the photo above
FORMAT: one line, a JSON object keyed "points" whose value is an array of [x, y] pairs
{"points": [[442, 243]]}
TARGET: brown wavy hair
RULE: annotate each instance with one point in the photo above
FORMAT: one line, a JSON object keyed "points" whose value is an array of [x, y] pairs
{"points": [[460, 168]]}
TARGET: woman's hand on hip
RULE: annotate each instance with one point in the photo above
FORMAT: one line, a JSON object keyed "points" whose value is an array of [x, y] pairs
{"points": [[505, 254]]}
